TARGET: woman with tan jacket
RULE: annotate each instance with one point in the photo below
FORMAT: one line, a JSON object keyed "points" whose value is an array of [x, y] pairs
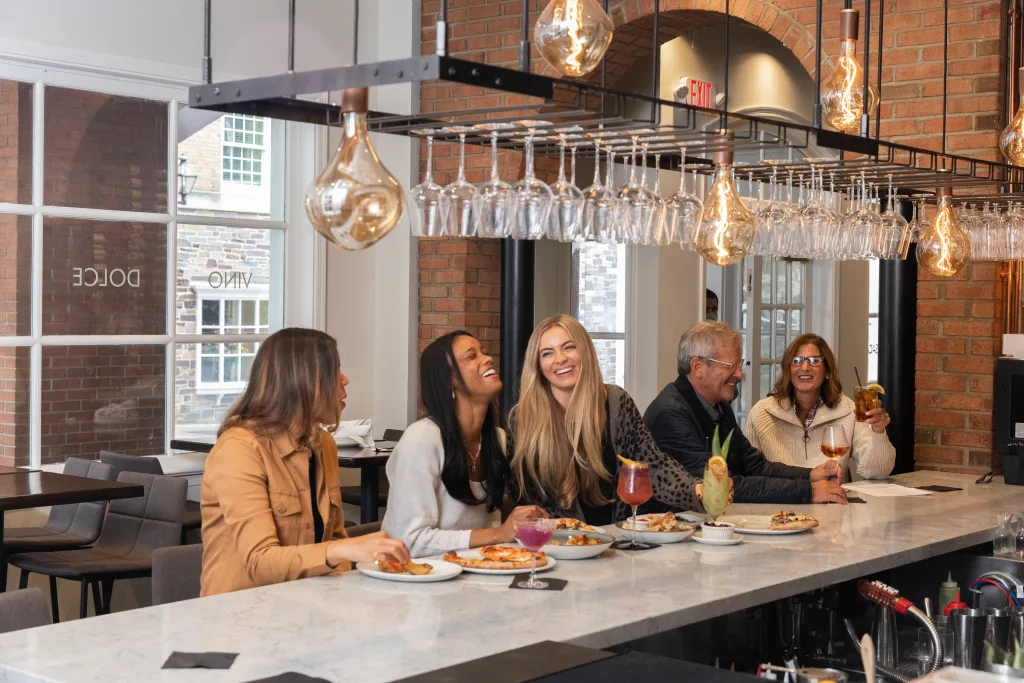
{"points": [[788, 426], [270, 501]]}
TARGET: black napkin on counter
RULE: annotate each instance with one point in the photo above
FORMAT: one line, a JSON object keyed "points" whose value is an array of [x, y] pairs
{"points": [[938, 489], [624, 544], [291, 677], [552, 584], [855, 499], [200, 660]]}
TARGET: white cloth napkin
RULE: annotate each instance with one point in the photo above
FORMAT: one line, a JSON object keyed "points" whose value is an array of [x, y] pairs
{"points": [[355, 433]]}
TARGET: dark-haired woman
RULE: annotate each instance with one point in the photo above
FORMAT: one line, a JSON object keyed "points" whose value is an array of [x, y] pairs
{"points": [[270, 498], [788, 426], [448, 471]]}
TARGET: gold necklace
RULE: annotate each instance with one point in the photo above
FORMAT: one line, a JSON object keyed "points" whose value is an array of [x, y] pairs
{"points": [[474, 459]]}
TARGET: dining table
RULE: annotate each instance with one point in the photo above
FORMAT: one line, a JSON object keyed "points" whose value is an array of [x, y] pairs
{"points": [[367, 460], [360, 629], [22, 488]]}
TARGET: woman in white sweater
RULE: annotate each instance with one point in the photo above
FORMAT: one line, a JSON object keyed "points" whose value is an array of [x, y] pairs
{"points": [[788, 426], [448, 471]]}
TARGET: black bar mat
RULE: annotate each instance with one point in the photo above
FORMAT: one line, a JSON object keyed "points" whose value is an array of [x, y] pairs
{"points": [[639, 667], [515, 666]]}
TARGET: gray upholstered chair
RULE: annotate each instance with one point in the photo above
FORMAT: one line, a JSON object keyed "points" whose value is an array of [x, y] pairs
{"points": [[176, 573], [68, 526], [144, 463], [132, 530], [23, 609], [363, 529]]}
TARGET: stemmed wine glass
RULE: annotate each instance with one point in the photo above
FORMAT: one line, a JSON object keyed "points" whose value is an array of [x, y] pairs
{"points": [[534, 534], [461, 192], [567, 204], [896, 227], [635, 202], [683, 209], [657, 233], [634, 489], [430, 215], [533, 198], [834, 443], [494, 204], [598, 204]]}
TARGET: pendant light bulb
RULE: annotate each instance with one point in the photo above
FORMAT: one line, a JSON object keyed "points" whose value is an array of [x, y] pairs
{"points": [[842, 93], [1011, 142], [573, 35], [355, 201], [944, 248], [727, 227]]}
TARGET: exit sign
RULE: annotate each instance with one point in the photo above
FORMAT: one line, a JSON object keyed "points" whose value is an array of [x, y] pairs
{"points": [[696, 92]]}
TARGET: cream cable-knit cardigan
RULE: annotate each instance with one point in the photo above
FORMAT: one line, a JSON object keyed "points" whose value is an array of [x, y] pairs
{"points": [[776, 430]]}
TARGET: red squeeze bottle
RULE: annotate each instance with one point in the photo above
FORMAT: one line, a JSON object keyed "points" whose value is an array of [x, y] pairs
{"points": [[956, 604]]}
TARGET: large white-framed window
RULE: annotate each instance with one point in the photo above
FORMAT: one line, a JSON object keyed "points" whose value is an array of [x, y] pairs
{"points": [[103, 347], [599, 299], [224, 367]]}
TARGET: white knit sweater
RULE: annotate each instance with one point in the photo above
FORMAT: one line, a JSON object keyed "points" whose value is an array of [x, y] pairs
{"points": [[420, 511], [775, 429]]}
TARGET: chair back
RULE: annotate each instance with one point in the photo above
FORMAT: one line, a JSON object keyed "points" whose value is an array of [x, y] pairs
{"points": [[81, 519], [363, 529], [176, 573], [135, 527], [131, 463], [25, 608]]}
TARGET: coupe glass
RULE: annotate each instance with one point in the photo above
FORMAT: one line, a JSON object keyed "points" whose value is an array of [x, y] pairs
{"points": [[494, 205], [533, 198], [634, 489], [430, 204], [461, 193], [534, 534], [567, 202]]}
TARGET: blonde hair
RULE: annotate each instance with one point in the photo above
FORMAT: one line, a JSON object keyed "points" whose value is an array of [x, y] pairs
{"points": [[561, 450]]}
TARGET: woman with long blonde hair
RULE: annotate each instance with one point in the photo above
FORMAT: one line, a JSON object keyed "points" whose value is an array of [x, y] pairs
{"points": [[569, 426]]}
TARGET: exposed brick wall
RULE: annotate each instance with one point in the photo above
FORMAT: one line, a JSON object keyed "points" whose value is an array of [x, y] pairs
{"points": [[959, 321]]}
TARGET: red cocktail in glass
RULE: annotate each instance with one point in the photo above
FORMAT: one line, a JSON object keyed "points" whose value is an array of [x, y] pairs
{"points": [[634, 489], [533, 534]]}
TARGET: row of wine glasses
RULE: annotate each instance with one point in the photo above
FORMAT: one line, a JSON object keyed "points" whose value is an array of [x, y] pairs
{"points": [[995, 234], [610, 210]]}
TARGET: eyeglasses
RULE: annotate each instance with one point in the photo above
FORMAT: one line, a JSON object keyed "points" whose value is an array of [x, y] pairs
{"points": [[733, 367], [985, 478], [813, 361]]}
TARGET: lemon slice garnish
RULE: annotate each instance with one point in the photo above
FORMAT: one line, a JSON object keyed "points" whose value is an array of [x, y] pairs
{"points": [[631, 463], [877, 388]]}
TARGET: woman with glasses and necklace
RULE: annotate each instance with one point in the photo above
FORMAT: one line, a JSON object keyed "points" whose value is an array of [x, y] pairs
{"points": [[807, 408]]}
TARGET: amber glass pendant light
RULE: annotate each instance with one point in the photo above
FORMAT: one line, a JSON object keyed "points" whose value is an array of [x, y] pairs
{"points": [[573, 35]]}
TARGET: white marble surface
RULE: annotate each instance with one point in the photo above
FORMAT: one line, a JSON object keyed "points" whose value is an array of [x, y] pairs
{"points": [[353, 628]]}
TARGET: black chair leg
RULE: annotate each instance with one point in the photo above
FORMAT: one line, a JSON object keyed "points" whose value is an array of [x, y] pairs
{"points": [[83, 603], [23, 579], [108, 594], [98, 602], [54, 606]]}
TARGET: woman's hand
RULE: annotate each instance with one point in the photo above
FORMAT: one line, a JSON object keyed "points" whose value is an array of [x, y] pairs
{"points": [[368, 548], [522, 513], [877, 418]]}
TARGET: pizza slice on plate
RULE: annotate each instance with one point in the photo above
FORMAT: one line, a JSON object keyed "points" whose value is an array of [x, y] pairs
{"points": [[393, 567], [573, 524], [792, 521], [498, 557]]}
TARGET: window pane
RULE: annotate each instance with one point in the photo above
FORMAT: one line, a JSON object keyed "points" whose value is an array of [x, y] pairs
{"points": [[105, 151], [766, 334], [873, 287], [230, 368], [767, 264], [199, 410], [15, 272], [872, 349], [766, 380], [780, 334], [104, 277], [15, 366], [796, 284], [218, 265], [600, 287], [102, 398], [780, 281], [211, 369], [795, 324], [611, 356], [231, 159], [15, 142]]}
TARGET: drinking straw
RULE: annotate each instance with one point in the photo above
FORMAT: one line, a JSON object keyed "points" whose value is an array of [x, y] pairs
{"points": [[857, 373]]}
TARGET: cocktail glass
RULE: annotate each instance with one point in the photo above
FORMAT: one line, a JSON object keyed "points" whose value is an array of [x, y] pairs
{"points": [[534, 534]]}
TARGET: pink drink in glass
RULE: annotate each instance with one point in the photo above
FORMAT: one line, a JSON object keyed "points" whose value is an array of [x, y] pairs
{"points": [[533, 538]]}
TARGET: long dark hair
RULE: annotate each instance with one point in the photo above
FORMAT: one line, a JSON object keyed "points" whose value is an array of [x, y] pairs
{"points": [[439, 378], [293, 384], [831, 389]]}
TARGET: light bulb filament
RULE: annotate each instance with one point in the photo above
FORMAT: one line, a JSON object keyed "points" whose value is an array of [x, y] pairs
{"points": [[574, 24], [723, 225], [942, 232], [849, 109]]}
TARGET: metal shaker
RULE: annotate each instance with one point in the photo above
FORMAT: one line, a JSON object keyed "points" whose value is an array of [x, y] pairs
{"points": [[968, 637]]}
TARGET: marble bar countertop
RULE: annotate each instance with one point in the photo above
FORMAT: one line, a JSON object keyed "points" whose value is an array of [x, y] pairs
{"points": [[354, 628]]}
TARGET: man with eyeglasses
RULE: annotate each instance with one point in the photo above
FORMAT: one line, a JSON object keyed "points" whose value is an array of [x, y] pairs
{"points": [[683, 418]]}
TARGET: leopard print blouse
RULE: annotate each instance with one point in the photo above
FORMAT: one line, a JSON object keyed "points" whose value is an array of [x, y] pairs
{"points": [[670, 482]]}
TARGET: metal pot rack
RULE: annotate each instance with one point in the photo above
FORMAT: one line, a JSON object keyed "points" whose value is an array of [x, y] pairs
{"points": [[583, 110]]}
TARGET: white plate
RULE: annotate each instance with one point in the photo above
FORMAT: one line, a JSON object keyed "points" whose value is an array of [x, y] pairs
{"points": [[660, 537], [443, 571], [576, 552], [697, 536], [758, 525], [474, 554]]}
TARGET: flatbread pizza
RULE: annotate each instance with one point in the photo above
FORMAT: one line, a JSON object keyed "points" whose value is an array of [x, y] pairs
{"points": [[792, 521], [573, 524], [498, 557]]}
